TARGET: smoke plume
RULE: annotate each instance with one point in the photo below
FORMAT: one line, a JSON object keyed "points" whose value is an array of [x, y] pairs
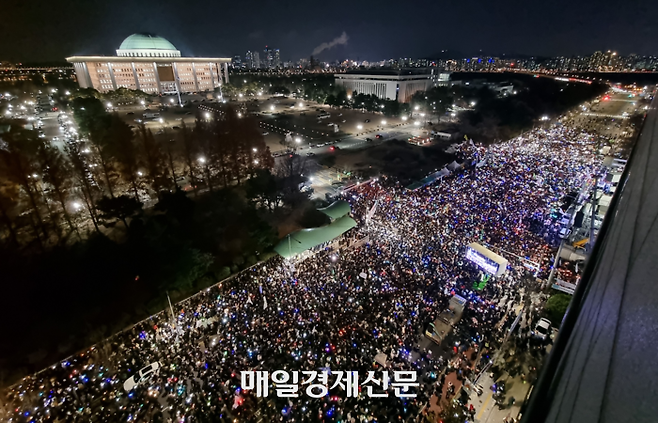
{"points": [[342, 40]]}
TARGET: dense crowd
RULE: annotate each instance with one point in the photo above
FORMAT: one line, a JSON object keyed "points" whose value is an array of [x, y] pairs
{"points": [[337, 309]]}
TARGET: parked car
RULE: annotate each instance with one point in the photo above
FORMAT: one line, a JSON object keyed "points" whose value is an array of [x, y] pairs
{"points": [[265, 133], [310, 154], [143, 375], [367, 121], [379, 136], [368, 139], [175, 127]]}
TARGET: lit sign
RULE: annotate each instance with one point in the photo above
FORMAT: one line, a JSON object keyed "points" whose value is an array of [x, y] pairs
{"points": [[481, 261]]}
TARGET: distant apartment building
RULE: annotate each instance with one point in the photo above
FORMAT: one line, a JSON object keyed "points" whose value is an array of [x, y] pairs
{"points": [[397, 85], [151, 64]]}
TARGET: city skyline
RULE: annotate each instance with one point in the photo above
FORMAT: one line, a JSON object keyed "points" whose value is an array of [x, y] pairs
{"points": [[41, 33]]}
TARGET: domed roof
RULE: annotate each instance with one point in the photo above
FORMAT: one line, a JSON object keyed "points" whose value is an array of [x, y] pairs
{"points": [[146, 42]]}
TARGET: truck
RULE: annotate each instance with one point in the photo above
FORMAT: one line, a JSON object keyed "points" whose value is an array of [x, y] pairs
{"points": [[439, 330]]}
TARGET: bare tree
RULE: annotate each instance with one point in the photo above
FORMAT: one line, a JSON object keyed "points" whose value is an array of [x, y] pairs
{"points": [[58, 174], [87, 189], [190, 150], [20, 160]]}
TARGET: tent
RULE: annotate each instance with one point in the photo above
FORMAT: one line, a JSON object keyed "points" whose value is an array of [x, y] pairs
{"points": [[454, 166], [337, 209], [300, 241], [428, 180]]}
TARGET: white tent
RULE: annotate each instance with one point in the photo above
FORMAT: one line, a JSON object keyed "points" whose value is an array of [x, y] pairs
{"points": [[381, 359], [444, 172], [454, 166]]}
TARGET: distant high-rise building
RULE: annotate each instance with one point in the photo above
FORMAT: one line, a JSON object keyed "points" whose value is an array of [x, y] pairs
{"points": [[268, 58], [277, 58], [252, 60], [236, 62]]}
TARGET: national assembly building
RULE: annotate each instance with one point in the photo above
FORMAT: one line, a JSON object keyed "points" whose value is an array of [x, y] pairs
{"points": [[151, 64]]}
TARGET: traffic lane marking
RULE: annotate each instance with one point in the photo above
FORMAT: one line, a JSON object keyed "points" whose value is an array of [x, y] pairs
{"points": [[484, 406]]}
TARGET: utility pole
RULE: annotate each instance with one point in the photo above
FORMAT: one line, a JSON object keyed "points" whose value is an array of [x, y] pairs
{"points": [[171, 309], [549, 282], [590, 244]]}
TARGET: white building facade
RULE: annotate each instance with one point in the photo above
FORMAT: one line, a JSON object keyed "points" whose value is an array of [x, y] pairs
{"points": [[389, 85], [151, 64]]}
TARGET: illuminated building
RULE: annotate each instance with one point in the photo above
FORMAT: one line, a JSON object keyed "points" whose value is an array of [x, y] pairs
{"points": [[386, 84], [151, 64]]}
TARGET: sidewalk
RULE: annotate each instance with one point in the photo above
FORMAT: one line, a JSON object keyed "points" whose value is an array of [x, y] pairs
{"points": [[486, 410]]}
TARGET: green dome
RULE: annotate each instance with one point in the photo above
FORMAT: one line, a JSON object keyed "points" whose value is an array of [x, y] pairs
{"points": [[146, 42]]}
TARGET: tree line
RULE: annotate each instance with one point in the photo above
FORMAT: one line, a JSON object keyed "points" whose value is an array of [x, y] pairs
{"points": [[109, 169]]}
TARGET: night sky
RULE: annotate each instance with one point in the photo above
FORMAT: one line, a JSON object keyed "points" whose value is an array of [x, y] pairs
{"points": [[363, 29]]}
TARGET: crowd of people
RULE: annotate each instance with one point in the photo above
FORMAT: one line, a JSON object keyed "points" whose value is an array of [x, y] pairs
{"points": [[338, 308]]}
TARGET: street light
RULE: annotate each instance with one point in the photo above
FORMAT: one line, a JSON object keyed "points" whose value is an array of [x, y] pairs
{"points": [[416, 108], [109, 105], [404, 118], [142, 102], [202, 160], [161, 120], [359, 127], [298, 140], [171, 100], [255, 149], [139, 173], [417, 123], [383, 122], [272, 107], [239, 114], [76, 206], [207, 115]]}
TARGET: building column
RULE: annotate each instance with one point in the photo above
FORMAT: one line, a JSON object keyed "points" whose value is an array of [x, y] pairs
{"points": [[157, 77], [196, 82], [135, 76], [87, 75], [211, 68], [176, 78], [111, 71], [226, 73]]}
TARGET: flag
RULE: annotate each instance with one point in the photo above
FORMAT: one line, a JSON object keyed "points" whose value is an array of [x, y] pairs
{"points": [[249, 300], [264, 303]]}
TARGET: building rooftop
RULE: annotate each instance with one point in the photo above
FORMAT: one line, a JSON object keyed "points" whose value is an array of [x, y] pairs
{"points": [[391, 72]]}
